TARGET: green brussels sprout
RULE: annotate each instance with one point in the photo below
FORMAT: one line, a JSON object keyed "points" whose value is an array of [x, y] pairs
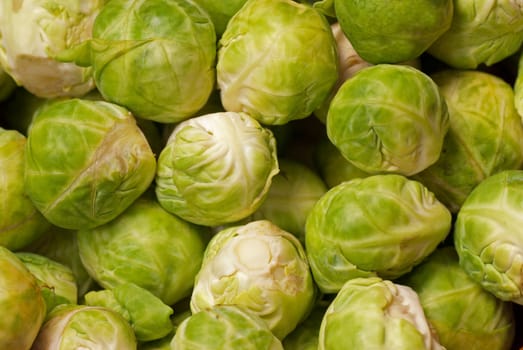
{"points": [[21, 301], [485, 135], [445, 292], [380, 225], [32, 32], [481, 32], [147, 314], [216, 168], [224, 327], [20, 222], [85, 327], [61, 245], [372, 313], [221, 11], [389, 118], [56, 280], [277, 61], [332, 165], [384, 31], [146, 246], [306, 335], [293, 193], [488, 236], [86, 162], [349, 63], [155, 57], [258, 266]]}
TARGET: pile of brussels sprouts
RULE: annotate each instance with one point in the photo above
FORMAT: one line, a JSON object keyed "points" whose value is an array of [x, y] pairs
{"points": [[261, 174]]}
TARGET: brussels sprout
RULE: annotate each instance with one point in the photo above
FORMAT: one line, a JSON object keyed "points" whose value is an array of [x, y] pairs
{"points": [[258, 266], [485, 135], [32, 32], [61, 245], [85, 327], [21, 301], [384, 31], [445, 292], [305, 335], [333, 167], [155, 57], [148, 315], [277, 61], [349, 63], [372, 313], [20, 222], [56, 280], [146, 246], [389, 118], [216, 168], [291, 197], [86, 162], [221, 11], [482, 32], [225, 327], [379, 225], [488, 236]]}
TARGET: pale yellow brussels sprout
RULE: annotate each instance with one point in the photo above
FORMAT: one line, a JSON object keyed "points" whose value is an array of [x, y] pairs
{"points": [[373, 313], [85, 327], [216, 168], [258, 266], [32, 32]]}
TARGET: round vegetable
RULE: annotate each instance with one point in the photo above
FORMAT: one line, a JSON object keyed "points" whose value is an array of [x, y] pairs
{"points": [[155, 57], [86, 162], [379, 225], [371, 313], [20, 222], [216, 168], [385, 31], [224, 327], [277, 61], [33, 32], [488, 236], [88, 327], [258, 266], [293, 193], [445, 292], [481, 32], [22, 302], [146, 246], [389, 118], [56, 281], [485, 135]]}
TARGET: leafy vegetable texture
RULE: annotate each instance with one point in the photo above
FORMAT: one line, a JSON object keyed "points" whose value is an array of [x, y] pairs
{"points": [[261, 174]]}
